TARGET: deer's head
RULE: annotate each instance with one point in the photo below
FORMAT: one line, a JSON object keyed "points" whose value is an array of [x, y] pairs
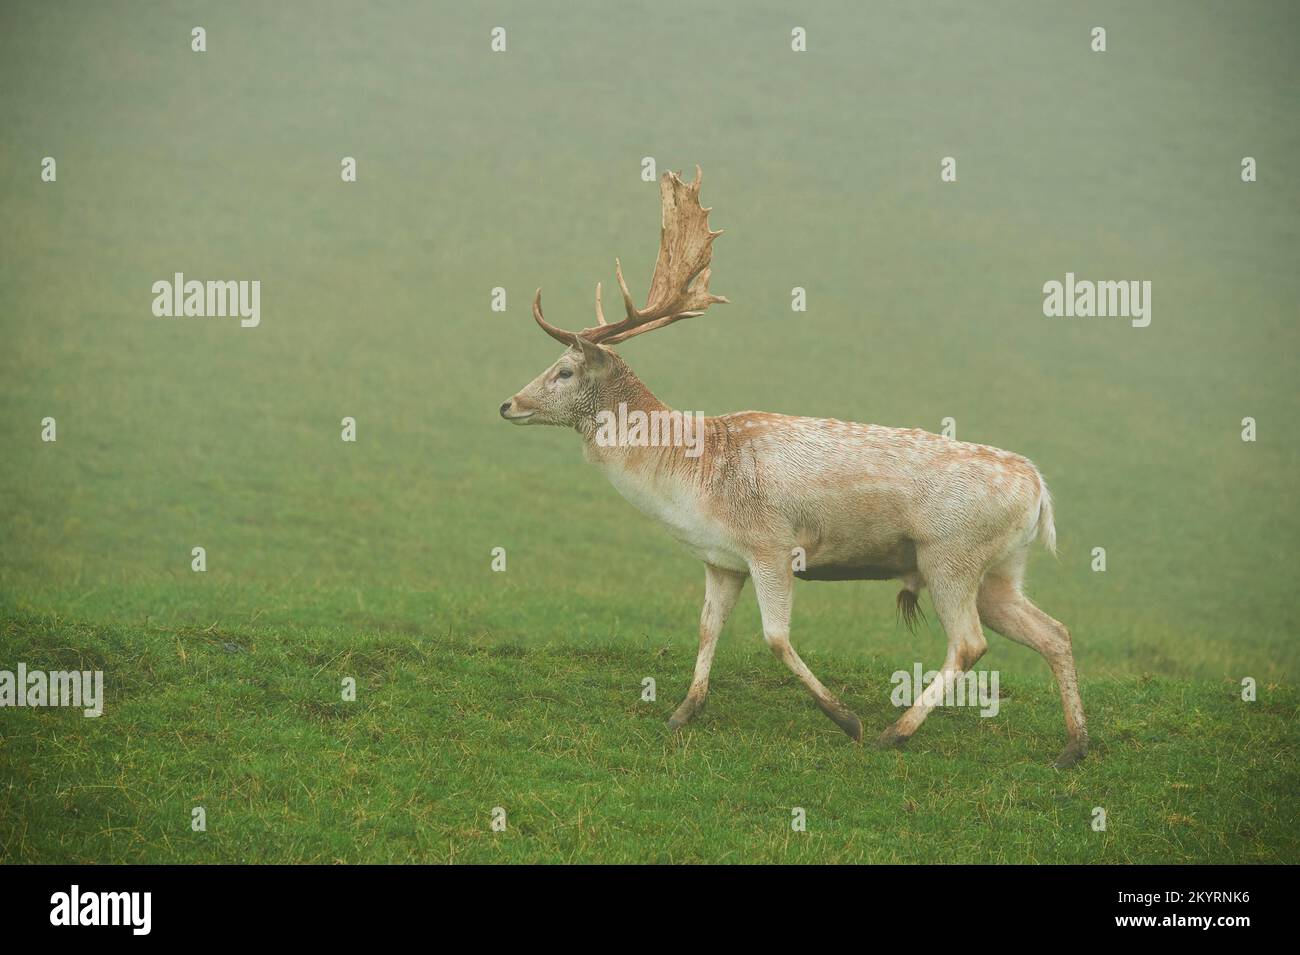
{"points": [[570, 391], [575, 387]]}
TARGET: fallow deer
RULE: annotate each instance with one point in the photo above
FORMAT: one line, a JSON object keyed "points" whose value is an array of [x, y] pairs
{"points": [[862, 502]]}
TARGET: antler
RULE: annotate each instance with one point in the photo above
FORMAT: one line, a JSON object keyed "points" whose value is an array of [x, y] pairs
{"points": [[680, 286]]}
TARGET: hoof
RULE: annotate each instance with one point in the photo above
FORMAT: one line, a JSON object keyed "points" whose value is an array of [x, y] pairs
{"points": [[891, 739], [845, 719], [1075, 751], [850, 724], [684, 714]]}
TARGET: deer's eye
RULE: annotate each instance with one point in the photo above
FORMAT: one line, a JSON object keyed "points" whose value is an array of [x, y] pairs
{"points": [[565, 373]]}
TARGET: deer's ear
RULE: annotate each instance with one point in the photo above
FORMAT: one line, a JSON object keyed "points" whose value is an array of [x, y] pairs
{"points": [[593, 356]]}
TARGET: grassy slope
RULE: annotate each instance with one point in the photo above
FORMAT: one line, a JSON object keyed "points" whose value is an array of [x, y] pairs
{"points": [[445, 729]]}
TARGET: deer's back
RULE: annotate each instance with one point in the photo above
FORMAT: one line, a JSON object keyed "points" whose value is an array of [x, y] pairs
{"points": [[857, 492]]}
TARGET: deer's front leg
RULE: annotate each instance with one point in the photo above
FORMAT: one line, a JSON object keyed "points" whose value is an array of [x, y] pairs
{"points": [[774, 587], [721, 588]]}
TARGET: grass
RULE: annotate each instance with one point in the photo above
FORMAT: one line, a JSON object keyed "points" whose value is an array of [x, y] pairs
{"points": [[249, 724], [521, 689]]}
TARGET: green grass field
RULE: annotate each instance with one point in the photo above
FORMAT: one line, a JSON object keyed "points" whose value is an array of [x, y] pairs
{"points": [[522, 689]]}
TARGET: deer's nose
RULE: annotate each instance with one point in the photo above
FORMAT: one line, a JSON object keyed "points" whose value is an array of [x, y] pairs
{"points": [[505, 406]]}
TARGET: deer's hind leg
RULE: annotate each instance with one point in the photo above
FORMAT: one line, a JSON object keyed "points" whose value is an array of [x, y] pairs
{"points": [[1005, 609], [721, 588], [774, 587], [954, 585]]}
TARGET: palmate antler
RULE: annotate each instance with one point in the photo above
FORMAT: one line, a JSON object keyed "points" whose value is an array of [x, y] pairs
{"points": [[680, 287]]}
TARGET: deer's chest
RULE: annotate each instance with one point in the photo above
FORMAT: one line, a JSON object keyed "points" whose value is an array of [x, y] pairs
{"points": [[682, 513]]}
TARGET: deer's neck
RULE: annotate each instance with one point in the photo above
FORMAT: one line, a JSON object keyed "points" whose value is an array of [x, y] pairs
{"points": [[621, 395], [631, 431], [678, 480]]}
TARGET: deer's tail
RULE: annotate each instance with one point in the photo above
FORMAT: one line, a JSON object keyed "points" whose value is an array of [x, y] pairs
{"points": [[1045, 525]]}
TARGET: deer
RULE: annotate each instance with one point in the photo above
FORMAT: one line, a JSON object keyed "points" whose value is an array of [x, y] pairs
{"points": [[774, 498]]}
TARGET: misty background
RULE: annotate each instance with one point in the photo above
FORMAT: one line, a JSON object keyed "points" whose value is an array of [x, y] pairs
{"points": [[522, 169]]}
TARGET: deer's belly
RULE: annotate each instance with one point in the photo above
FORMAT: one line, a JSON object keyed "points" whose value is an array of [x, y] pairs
{"points": [[881, 558], [850, 572]]}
